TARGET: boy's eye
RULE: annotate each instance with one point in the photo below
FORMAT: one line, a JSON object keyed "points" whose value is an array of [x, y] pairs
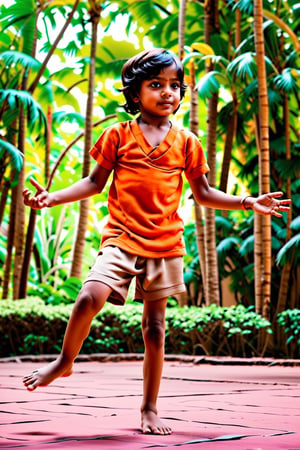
{"points": [[155, 84]]}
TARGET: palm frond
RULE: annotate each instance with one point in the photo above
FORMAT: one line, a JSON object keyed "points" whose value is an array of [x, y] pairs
{"points": [[225, 247], [247, 246], [210, 83], [223, 223], [244, 65], [246, 6], [279, 229], [192, 55], [15, 98], [288, 168], [295, 224], [272, 48], [287, 80], [227, 251], [216, 59], [15, 156], [247, 45], [290, 252], [15, 58], [70, 117]]}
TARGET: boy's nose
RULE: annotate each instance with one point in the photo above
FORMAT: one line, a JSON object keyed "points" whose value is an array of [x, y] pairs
{"points": [[166, 93]]}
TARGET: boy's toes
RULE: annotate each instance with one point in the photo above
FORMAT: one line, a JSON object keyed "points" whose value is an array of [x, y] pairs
{"points": [[151, 424], [157, 430], [30, 381]]}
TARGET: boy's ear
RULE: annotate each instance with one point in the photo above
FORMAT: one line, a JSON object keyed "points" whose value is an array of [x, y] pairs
{"points": [[135, 98]]}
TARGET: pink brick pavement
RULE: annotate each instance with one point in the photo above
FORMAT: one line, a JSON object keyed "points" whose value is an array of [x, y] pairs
{"points": [[208, 406]]}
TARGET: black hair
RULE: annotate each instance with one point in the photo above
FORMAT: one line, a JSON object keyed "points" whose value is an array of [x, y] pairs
{"points": [[145, 66]]}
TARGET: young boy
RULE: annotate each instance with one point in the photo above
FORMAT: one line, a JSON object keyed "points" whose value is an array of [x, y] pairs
{"points": [[143, 235]]}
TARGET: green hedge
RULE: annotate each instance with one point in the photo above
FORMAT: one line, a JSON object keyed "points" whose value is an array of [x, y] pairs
{"points": [[32, 327]]}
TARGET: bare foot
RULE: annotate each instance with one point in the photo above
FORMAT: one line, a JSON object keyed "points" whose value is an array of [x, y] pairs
{"points": [[44, 376], [151, 424]]}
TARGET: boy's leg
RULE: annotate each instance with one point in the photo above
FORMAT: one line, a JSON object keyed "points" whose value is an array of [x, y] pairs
{"points": [[153, 327], [90, 301]]}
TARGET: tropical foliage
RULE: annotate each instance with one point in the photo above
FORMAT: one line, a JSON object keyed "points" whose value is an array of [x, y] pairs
{"points": [[60, 66], [31, 326]]}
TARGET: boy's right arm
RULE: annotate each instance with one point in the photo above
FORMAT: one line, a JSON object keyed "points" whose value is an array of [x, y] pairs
{"points": [[91, 185]]}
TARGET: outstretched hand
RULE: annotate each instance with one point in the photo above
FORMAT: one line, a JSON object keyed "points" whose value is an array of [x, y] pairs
{"points": [[39, 200], [267, 204]]}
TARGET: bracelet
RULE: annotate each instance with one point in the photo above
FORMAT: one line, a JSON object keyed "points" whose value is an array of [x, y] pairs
{"points": [[243, 202]]}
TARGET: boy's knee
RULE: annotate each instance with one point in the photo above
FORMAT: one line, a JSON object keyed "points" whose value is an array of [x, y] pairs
{"points": [[86, 303], [154, 332]]}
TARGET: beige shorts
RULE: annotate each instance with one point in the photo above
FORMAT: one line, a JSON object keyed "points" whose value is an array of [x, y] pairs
{"points": [[156, 278]]}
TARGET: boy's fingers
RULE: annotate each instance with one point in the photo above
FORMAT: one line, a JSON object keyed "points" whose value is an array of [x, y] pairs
{"points": [[285, 202], [279, 194], [275, 194], [36, 185], [27, 193]]}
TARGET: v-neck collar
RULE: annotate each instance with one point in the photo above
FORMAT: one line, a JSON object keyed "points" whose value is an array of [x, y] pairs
{"points": [[146, 147]]}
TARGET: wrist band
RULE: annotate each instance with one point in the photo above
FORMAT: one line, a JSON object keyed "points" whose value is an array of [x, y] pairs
{"points": [[243, 203]]}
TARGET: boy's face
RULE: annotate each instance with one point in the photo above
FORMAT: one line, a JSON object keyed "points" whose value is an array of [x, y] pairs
{"points": [[160, 96]]}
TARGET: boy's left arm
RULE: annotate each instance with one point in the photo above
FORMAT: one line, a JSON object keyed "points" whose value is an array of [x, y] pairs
{"points": [[265, 204]]}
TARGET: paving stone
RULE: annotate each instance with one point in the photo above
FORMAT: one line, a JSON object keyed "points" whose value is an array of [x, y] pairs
{"points": [[209, 406]]}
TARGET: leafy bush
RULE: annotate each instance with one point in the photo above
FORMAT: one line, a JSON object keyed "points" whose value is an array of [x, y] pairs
{"points": [[216, 330], [65, 292], [33, 327], [290, 320]]}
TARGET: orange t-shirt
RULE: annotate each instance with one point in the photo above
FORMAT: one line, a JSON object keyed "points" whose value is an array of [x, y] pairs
{"points": [[146, 188]]}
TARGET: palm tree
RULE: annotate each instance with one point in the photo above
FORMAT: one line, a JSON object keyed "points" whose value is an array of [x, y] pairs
{"points": [[212, 278], [95, 13], [263, 298]]}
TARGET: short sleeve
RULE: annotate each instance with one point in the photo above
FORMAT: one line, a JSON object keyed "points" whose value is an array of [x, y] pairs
{"points": [[196, 163], [104, 151]]}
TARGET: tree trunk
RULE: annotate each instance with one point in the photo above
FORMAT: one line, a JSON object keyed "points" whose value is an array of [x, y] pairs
{"points": [[19, 233], [77, 259], [3, 198], [11, 224], [48, 143], [264, 155], [194, 123], [237, 39], [286, 272], [201, 248], [212, 273], [284, 288], [194, 127], [10, 243], [181, 28], [258, 263], [231, 130], [27, 254]]}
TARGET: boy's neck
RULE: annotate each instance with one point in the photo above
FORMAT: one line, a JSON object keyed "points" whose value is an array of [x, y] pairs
{"points": [[154, 131], [155, 122]]}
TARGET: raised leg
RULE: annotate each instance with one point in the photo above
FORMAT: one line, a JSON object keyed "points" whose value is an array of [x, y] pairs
{"points": [[90, 301]]}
